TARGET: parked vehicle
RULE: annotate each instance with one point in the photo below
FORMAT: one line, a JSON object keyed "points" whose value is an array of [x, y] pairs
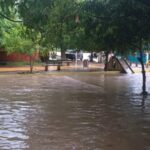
{"points": [[72, 54]]}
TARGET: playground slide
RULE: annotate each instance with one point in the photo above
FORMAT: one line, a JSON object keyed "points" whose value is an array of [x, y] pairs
{"points": [[126, 66]]}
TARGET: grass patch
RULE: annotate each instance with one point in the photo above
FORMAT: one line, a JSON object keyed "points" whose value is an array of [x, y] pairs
{"points": [[19, 63]]}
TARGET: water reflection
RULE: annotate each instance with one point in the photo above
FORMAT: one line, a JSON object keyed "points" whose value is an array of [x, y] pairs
{"points": [[74, 112], [12, 131]]}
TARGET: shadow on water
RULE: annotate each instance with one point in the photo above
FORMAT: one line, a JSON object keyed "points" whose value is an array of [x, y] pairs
{"points": [[144, 100]]}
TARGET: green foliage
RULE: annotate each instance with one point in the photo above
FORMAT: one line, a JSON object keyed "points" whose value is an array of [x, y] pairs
{"points": [[104, 24], [118, 24], [37, 10], [131, 19], [9, 9], [61, 23], [54, 20], [14, 40], [98, 31]]}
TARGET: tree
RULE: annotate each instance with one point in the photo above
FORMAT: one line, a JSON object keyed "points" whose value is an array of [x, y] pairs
{"points": [[131, 17], [98, 27], [61, 26], [119, 25], [53, 19], [16, 39]]}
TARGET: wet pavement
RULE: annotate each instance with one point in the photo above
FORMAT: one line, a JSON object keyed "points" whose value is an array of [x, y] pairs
{"points": [[74, 111]]}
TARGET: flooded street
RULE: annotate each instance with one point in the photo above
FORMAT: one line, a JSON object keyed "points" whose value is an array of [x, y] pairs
{"points": [[74, 111]]}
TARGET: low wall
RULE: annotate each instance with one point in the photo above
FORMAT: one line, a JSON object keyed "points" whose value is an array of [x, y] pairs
{"points": [[4, 57]]}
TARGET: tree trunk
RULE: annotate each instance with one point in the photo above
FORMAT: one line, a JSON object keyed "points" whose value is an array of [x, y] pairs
{"points": [[31, 64], [91, 57], [63, 55], [106, 61], [144, 92]]}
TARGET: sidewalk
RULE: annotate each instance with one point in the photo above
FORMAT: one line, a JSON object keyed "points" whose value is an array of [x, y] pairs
{"points": [[73, 67]]}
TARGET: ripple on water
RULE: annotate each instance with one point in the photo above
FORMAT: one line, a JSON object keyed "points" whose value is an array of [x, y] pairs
{"points": [[46, 112]]}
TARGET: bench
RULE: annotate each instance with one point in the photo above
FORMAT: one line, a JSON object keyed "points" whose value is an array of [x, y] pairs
{"points": [[52, 63], [67, 62], [47, 65], [57, 63]]}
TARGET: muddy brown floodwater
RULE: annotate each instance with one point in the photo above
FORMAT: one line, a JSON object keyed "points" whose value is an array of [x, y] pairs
{"points": [[74, 111]]}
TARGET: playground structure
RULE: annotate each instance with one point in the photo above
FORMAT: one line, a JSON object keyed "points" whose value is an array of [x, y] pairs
{"points": [[121, 65]]}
